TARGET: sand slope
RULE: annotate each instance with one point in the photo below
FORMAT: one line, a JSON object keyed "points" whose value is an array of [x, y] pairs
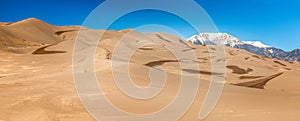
{"points": [[20, 36]]}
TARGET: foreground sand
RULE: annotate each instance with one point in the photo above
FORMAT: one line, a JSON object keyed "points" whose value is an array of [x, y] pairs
{"points": [[36, 81]]}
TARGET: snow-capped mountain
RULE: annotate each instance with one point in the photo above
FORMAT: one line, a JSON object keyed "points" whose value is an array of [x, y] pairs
{"points": [[222, 39], [255, 47], [215, 39]]}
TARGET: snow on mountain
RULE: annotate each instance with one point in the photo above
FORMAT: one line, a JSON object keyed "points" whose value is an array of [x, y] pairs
{"points": [[257, 44], [215, 39], [253, 47], [222, 39], [271, 51]]}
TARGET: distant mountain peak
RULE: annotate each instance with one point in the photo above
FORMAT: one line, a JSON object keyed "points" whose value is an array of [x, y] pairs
{"points": [[255, 47], [223, 39]]}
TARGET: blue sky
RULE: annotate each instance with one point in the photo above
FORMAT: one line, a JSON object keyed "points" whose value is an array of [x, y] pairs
{"points": [[274, 22]]}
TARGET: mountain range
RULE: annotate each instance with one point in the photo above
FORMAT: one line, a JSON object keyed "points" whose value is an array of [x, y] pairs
{"points": [[256, 47]]}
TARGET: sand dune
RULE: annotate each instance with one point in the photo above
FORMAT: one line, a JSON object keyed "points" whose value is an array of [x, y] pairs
{"points": [[3, 23], [20, 36], [36, 81]]}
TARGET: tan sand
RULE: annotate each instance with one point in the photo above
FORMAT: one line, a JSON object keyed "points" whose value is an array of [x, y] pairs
{"points": [[36, 81]]}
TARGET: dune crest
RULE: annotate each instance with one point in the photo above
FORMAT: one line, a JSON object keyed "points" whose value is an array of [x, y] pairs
{"points": [[27, 35]]}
